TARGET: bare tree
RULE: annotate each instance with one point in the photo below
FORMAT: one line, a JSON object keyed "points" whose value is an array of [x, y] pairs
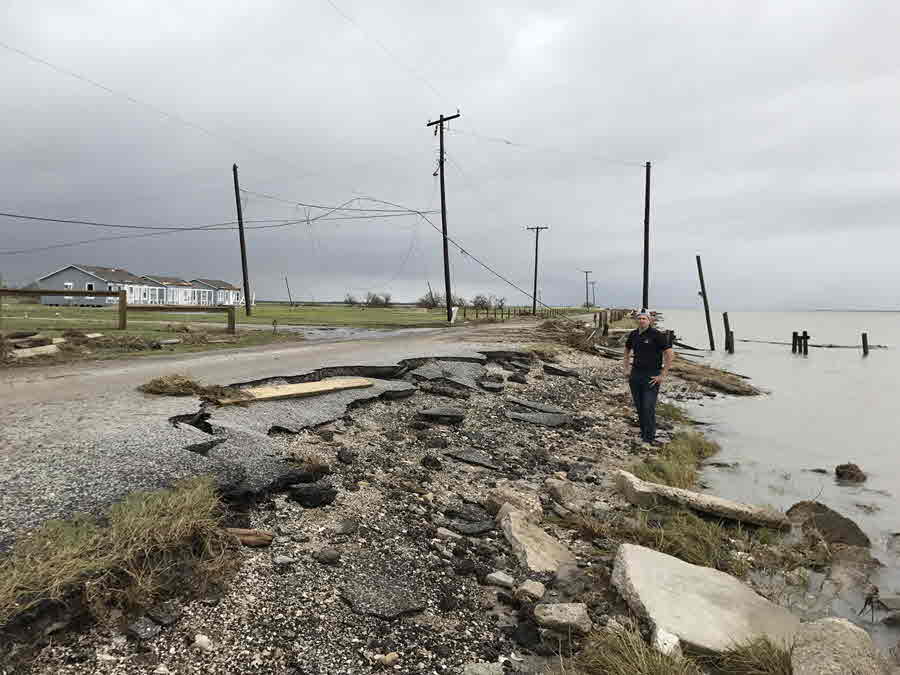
{"points": [[351, 300]]}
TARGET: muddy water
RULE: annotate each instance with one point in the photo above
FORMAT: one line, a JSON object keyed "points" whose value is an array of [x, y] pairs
{"points": [[825, 409]]}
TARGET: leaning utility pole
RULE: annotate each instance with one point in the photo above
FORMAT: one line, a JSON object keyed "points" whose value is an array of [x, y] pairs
{"points": [[240, 215], [537, 234], [290, 299], [712, 342], [440, 131], [587, 302], [646, 298]]}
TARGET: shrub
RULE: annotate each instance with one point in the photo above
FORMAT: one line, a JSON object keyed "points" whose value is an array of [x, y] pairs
{"points": [[677, 462], [153, 543]]}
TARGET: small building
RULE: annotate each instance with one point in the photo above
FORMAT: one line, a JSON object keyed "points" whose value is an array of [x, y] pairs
{"points": [[181, 292], [225, 293], [93, 278]]}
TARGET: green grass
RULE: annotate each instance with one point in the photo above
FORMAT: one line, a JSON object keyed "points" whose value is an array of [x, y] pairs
{"points": [[672, 413], [152, 544], [677, 462]]}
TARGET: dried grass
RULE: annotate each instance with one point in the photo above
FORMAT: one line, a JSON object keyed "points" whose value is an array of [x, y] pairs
{"points": [[760, 657], [679, 533], [154, 543], [713, 378], [182, 385], [608, 652]]}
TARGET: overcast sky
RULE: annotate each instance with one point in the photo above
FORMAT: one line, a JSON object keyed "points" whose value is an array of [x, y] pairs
{"points": [[772, 128]]}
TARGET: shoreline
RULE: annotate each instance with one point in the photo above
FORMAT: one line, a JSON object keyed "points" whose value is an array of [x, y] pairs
{"points": [[422, 517]]}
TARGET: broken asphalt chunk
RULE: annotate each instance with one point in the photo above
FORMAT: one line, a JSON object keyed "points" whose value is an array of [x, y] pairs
{"points": [[312, 496], [474, 457], [382, 597], [442, 415], [544, 419], [537, 406]]}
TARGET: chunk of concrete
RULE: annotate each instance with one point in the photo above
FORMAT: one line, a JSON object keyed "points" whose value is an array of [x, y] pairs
{"points": [[501, 579], [706, 609], [530, 590], [520, 499], [835, 646], [534, 548], [537, 406], [645, 494], [666, 643], [564, 617]]}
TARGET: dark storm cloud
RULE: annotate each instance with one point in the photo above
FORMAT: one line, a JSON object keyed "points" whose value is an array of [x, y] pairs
{"points": [[771, 128]]}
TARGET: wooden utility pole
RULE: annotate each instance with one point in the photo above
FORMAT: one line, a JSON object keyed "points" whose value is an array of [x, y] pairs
{"points": [[537, 234], [587, 302], [440, 131], [240, 215], [593, 293], [646, 298], [712, 342], [290, 299]]}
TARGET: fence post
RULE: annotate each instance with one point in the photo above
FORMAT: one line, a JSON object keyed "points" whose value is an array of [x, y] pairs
{"points": [[795, 338], [805, 339], [232, 324], [865, 343], [123, 310]]}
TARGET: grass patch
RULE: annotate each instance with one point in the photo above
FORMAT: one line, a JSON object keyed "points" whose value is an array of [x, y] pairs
{"points": [[684, 535], [677, 462], [152, 544], [760, 657], [182, 385], [625, 653], [672, 413]]}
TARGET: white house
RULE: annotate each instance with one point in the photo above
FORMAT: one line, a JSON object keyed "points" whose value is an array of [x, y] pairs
{"points": [[148, 289], [225, 293], [93, 278]]}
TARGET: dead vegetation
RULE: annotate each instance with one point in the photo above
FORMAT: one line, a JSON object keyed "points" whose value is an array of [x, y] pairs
{"points": [[624, 652], [678, 532], [677, 462], [5, 351], [149, 545], [182, 385], [760, 657], [713, 378]]}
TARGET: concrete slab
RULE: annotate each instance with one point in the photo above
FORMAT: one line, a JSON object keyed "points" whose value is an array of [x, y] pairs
{"points": [[706, 609], [294, 415], [535, 549], [645, 494]]}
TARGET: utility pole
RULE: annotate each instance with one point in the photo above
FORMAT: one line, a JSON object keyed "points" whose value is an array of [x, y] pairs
{"points": [[537, 234], [646, 298], [709, 330], [440, 131], [586, 300], [593, 293], [290, 299], [240, 215]]}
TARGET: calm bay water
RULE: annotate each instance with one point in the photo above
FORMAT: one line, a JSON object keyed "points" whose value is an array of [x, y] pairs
{"points": [[822, 410]]}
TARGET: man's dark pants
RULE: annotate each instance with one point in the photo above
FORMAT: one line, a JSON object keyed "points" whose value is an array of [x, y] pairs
{"points": [[644, 395]]}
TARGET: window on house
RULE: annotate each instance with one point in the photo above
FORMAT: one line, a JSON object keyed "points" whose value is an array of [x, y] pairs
{"points": [[89, 286], [68, 285]]}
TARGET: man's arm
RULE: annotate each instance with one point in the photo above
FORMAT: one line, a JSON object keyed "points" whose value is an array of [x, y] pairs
{"points": [[668, 356]]}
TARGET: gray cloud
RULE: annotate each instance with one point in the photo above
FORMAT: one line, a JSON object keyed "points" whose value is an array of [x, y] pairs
{"points": [[770, 126]]}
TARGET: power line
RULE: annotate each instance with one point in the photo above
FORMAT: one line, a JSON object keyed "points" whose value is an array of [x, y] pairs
{"points": [[387, 51], [294, 202], [528, 146], [174, 117]]}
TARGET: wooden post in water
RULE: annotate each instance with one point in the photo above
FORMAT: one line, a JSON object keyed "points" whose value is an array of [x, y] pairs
{"points": [[728, 347], [804, 338], [795, 338], [712, 342], [865, 341]]}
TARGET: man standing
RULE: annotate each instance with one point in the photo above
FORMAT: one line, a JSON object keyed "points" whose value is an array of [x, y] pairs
{"points": [[652, 359]]}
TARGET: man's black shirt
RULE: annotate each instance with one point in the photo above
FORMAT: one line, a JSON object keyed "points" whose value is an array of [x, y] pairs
{"points": [[648, 348]]}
